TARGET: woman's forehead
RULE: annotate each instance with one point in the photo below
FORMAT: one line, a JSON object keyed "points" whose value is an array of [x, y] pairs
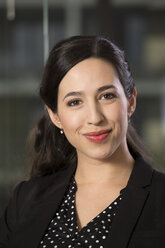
{"points": [[89, 74]]}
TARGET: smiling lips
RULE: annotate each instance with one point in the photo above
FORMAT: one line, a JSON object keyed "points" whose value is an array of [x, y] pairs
{"points": [[97, 137]]}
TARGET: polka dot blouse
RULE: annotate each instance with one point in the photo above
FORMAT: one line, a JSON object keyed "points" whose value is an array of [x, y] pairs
{"points": [[63, 228]]}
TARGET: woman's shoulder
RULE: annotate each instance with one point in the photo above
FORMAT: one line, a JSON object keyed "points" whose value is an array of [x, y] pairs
{"points": [[158, 178], [27, 190], [39, 188], [158, 186]]}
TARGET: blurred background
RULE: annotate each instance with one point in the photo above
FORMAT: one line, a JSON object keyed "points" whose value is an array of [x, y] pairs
{"points": [[29, 29]]}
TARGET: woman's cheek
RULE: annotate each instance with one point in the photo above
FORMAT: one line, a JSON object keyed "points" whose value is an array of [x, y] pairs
{"points": [[71, 121]]}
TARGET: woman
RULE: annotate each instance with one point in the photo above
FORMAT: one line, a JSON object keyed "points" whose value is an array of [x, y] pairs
{"points": [[90, 185]]}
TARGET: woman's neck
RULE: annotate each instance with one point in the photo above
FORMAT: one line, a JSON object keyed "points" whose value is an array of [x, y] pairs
{"points": [[113, 170]]}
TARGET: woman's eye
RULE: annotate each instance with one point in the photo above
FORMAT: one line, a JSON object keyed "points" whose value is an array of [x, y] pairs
{"points": [[73, 103], [108, 96]]}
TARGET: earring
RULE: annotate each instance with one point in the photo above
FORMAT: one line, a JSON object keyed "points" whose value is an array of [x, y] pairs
{"points": [[129, 118], [61, 131]]}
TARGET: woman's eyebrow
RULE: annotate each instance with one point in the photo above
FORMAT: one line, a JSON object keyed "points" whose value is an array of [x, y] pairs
{"points": [[80, 93], [106, 87], [73, 93]]}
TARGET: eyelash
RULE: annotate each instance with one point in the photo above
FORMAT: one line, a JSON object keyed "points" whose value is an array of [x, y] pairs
{"points": [[110, 96], [76, 102]]}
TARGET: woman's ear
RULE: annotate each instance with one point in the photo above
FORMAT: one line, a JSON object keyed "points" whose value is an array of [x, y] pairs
{"points": [[132, 103], [54, 118]]}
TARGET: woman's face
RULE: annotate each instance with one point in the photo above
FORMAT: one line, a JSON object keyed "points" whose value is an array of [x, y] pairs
{"points": [[93, 110]]}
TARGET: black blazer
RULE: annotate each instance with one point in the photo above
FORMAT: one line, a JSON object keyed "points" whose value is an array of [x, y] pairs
{"points": [[139, 223]]}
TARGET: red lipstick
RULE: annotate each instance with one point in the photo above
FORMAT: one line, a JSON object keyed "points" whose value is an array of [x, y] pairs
{"points": [[97, 137]]}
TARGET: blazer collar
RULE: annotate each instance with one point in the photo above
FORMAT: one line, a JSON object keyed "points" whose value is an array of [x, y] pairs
{"points": [[134, 199], [141, 174]]}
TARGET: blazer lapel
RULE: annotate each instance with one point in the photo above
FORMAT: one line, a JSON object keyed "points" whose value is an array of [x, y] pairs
{"points": [[134, 198], [34, 224]]}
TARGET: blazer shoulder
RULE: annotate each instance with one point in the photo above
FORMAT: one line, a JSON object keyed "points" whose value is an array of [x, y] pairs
{"points": [[158, 185], [35, 187], [40, 188], [158, 177], [158, 180]]}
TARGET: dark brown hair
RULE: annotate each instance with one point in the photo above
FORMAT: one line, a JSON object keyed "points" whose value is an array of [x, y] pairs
{"points": [[52, 150]]}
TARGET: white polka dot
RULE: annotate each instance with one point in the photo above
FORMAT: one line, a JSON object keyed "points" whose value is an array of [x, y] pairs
{"points": [[97, 241], [104, 237]]}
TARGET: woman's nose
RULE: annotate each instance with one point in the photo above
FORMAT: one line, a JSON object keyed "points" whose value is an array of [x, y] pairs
{"points": [[95, 115]]}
